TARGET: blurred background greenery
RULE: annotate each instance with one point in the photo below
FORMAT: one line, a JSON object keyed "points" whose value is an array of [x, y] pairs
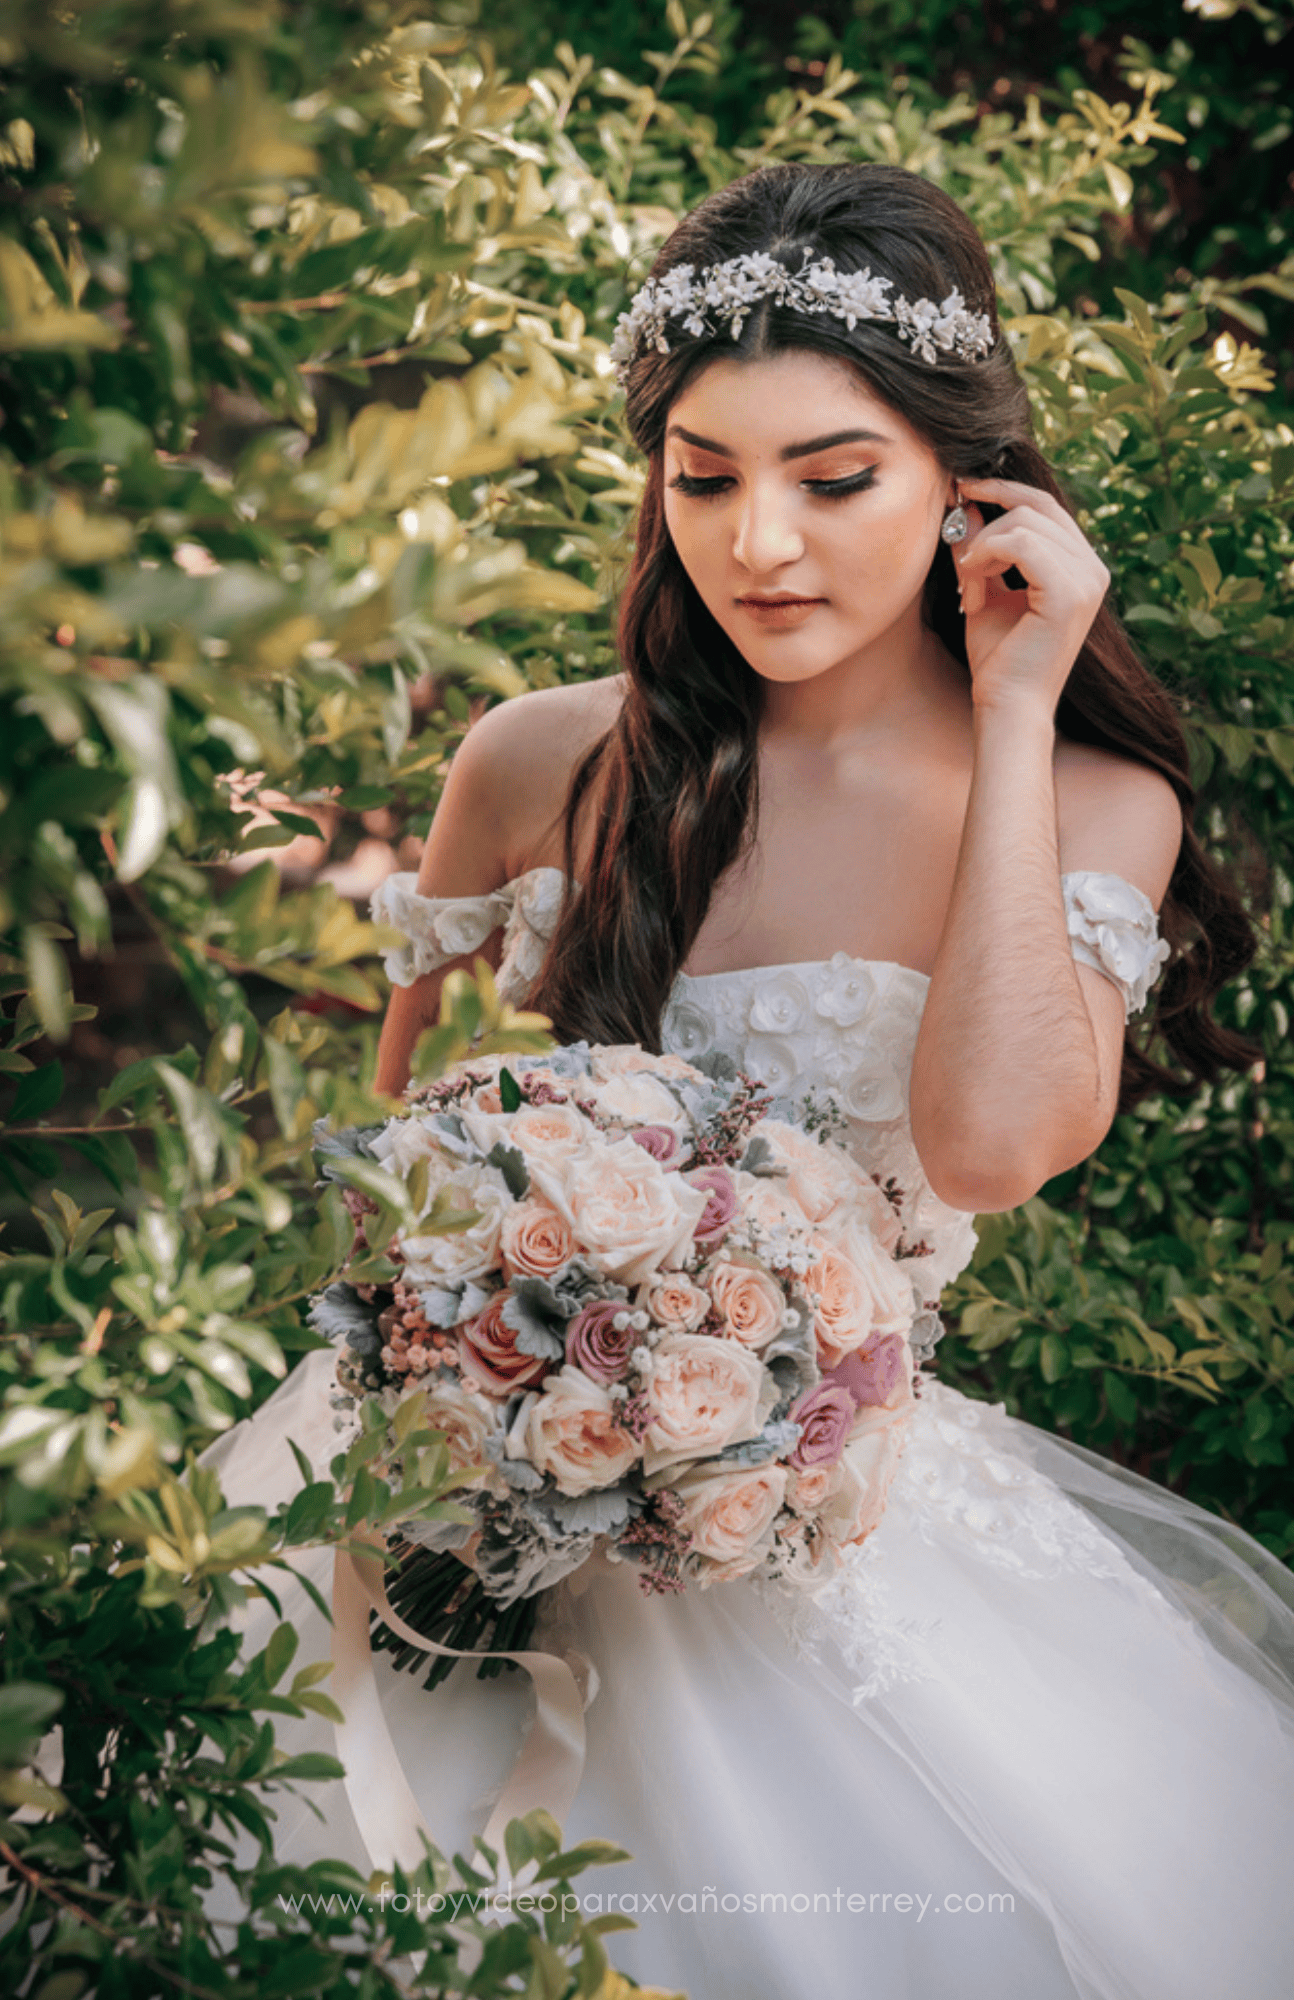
{"points": [[311, 449]]}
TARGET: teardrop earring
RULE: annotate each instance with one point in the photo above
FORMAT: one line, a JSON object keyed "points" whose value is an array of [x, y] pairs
{"points": [[955, 525]]}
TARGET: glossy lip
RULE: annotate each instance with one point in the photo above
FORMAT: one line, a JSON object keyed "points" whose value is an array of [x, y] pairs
{"points": [[780, 611]]}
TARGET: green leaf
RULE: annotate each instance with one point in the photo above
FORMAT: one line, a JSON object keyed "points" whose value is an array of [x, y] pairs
{"points": [[37, 1094], [509, 1090]]}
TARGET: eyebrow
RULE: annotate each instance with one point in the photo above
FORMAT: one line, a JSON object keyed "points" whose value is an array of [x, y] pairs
{"points": [[805, 450]]}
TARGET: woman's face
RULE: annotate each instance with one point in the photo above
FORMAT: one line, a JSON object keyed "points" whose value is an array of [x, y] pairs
{"points": [[804, 509]]}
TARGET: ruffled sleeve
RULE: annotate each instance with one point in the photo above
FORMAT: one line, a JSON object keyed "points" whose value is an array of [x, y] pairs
{"points": [[438, 928], [1114, 929]]}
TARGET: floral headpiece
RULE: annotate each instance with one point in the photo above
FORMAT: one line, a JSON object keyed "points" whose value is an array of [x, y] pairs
{"points": [[728, 293]]}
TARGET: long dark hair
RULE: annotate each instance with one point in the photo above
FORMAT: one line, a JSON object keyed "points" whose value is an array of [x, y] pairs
{"points": [[680, 765]]}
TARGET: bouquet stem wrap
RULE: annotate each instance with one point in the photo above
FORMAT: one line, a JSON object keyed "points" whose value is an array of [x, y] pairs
{"points": [[549, 1764]]}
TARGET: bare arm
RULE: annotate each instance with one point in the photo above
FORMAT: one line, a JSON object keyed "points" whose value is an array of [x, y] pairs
{"points": [[466, 855], [1017, 1064]]}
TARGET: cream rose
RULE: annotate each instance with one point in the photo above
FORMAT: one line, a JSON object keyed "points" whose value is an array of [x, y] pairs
{"points": [[535, 1240], [676, 1303], [703, 1394], [857, 1291], [750, 1301], [572, 1434], [863, 1475], [642, 1100], [729, 1514], [460, 1253], [467, 1420], [630, 1218]]}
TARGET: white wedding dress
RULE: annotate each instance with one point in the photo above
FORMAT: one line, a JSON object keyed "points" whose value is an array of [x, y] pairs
{"points": [[1035, 1740]]}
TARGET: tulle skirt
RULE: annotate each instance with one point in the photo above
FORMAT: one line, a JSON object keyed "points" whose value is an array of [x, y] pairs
{"points": [[1035, 1739]]}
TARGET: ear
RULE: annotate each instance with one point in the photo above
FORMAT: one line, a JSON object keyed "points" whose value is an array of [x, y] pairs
{"points": [[950, 494]]}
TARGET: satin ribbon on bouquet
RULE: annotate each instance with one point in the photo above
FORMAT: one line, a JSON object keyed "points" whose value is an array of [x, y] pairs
{"points": [[549, 1764]]}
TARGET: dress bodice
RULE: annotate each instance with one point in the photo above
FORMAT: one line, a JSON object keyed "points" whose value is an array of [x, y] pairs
{"points": [[842, 1028]]}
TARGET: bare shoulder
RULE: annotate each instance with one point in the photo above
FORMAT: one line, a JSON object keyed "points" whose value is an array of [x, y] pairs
{"points": [[1115, 815], [500, 812]]}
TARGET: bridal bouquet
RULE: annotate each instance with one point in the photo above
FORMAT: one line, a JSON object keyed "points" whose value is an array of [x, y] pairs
{"points": [[644, 1314]]}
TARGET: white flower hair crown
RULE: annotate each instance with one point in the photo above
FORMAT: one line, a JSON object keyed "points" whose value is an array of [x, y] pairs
{"points": [[728, 293]]}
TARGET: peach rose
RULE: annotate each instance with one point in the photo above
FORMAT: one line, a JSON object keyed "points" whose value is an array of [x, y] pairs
{"points": [[750, 1301], [535, 1240], [628, 1059], [808, 1487], [703, 1394], [829, 1184], [572, 1434], [489, 1355], [629, 1216], [555, 1131], [767, 1202], [676, 1303], [729, 1514], [857, 1292], [438, 1259]]}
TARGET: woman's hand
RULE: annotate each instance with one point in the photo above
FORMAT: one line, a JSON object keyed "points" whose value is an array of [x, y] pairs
{"points": [[1021, 644]]}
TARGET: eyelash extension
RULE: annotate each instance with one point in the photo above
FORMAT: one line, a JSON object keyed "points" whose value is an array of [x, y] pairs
{"points": [[823, 489]]}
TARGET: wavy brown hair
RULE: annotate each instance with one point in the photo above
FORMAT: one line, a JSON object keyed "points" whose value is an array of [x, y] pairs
{"points": [[679, 767]]}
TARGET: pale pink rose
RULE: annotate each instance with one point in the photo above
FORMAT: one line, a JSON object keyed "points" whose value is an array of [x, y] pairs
{"points": [[487, 1099], [703, 1394], [676, 1303], [750, 1301], [489, 1355], [437, 1259], [808, 1486], [729, 1514], [573, 1435], [535, 1240], [630, 1218], [720, 1190], [857, 1292]]}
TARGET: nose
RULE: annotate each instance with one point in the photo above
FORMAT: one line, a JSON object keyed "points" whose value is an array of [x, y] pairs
{"points": [[767, 537]]}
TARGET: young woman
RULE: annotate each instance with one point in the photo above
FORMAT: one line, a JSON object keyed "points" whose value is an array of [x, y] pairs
{"points": [[881, 801]]}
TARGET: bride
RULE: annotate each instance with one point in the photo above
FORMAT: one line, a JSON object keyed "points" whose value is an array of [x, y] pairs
{"points": [[882, 802]]}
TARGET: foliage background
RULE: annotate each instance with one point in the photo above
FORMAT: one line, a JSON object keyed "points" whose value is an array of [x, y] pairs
{"points": [[310, 448]]}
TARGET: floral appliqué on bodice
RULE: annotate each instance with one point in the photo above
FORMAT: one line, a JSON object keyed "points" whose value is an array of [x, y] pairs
{"points": [[845, 1028]]}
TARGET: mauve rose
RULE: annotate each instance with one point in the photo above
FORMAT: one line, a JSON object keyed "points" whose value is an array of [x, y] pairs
{"points": [[825, 1413], [721, 1204], [658, 1140], [596, 1346], [870, 1374]]}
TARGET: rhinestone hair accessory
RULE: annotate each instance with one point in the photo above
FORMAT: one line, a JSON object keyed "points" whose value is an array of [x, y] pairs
{"points": [[726, 294]]}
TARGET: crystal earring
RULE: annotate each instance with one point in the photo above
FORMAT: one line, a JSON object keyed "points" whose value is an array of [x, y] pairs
{"points": [[956, 526]]}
